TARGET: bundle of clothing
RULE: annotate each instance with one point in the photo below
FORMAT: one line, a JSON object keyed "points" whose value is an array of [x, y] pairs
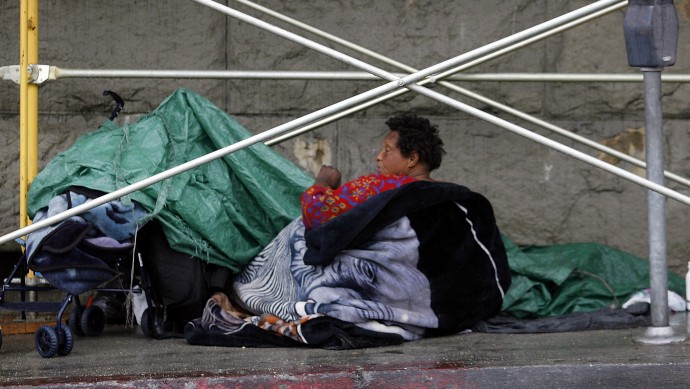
{"points": [[422, 260], [83, 251]]}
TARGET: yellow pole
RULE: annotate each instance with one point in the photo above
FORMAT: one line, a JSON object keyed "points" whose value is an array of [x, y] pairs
{"points": [[28, 108], [32, 114], [28, 104], [23, 110]]}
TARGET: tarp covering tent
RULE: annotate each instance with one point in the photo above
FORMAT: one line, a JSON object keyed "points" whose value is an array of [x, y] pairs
{"points": [[574, 277], [223, 212]]}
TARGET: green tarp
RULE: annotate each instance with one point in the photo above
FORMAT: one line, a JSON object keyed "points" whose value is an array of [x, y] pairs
{"points": [[574, 277], [224, 211]]}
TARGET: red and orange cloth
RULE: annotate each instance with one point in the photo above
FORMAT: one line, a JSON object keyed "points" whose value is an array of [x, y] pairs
{"points": [[321, 204]]}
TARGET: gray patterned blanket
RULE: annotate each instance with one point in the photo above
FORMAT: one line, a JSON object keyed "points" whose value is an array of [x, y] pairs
{"points": [[423, 260]]}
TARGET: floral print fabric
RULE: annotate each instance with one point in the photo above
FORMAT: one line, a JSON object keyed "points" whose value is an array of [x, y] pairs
{"points": [[321, 204]]}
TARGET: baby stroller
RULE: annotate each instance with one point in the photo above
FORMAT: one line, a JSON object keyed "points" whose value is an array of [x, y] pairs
{"points": [[90, 252]]}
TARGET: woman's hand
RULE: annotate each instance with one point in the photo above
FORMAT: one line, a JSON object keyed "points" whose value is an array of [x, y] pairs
{"points": [[328, 177]]}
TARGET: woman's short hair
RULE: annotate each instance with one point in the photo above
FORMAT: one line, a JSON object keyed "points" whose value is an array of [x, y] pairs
{"points": [[417, 134]]}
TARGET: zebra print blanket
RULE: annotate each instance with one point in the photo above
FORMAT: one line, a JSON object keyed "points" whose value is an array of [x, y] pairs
{"points": [[422, 260]]}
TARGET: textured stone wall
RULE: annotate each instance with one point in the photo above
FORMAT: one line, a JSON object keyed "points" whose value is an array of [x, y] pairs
{"points": [[540, 196]]}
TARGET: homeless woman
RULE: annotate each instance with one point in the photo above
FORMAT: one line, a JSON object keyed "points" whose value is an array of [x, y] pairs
{"points": [[410, 151]]}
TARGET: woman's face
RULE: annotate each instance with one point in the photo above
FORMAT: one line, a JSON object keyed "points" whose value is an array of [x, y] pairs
{"points": [[390, 160]]}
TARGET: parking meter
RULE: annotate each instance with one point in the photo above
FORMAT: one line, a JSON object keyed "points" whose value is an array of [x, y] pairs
{"points": [[651, 33], [651, 36]]}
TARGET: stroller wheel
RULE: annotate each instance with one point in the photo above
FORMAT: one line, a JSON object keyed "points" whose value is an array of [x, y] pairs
{"points": [[46, 340], [65, 340], [75, 322], [92, 321], [148, 322]]}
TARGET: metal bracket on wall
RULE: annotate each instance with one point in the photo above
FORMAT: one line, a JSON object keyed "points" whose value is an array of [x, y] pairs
{"points": [[38, 73]]}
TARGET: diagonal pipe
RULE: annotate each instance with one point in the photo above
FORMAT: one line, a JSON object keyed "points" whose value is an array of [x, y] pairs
{"points": [[409, 82], [524, 116], [406, 81]]}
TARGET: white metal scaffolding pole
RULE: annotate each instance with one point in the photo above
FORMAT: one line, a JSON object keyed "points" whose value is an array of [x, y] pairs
{"points": [[407, 81], [54, 73], [495, 77], [432, 70], [57, 73]]}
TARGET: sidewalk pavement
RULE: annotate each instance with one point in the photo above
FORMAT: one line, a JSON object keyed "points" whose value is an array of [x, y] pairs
{"points": [[124, 358]]}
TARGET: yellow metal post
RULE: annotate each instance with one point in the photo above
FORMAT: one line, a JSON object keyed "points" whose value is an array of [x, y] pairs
{"points": [[32, 114], [28, 104], [23, 110], [28, 108]]}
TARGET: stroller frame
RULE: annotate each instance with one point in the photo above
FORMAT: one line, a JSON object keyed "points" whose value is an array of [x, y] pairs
{"points": [[84, 319]]}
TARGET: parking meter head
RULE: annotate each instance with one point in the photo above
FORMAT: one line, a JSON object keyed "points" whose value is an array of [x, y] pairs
{"points": [[651, 33]]}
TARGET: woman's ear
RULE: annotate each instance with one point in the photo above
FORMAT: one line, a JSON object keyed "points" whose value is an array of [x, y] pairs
{"points": [[413, 159]]}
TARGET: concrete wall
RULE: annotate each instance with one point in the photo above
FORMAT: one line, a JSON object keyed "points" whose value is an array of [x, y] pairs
{"points": [[540, 196]]}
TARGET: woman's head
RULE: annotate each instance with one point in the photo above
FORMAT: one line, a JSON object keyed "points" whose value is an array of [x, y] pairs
{"points": [[412, 143]]}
